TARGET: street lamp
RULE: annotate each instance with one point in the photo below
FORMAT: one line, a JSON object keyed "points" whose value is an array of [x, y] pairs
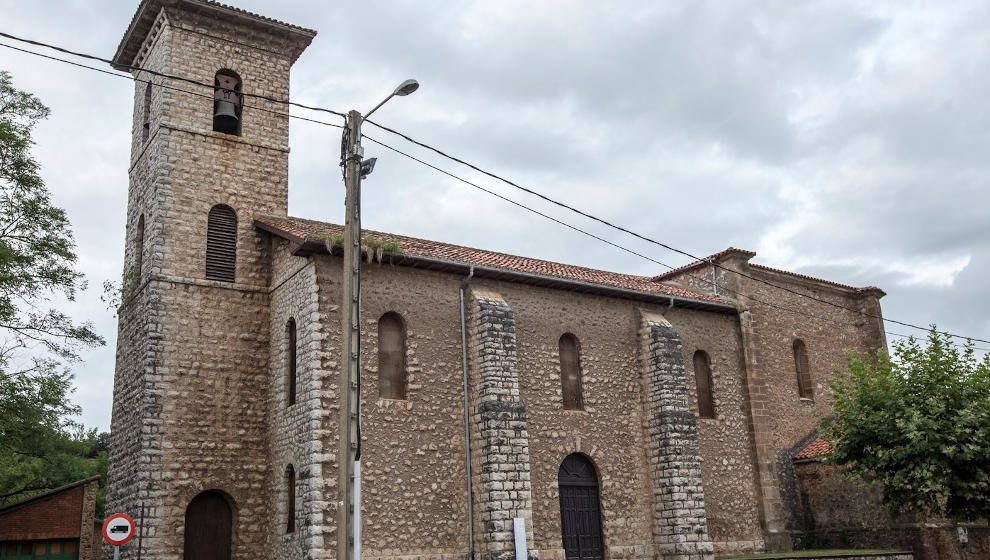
{"points": [[349, 463], [405, 88]]}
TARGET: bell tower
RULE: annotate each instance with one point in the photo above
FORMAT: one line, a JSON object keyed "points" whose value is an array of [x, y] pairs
{"points": [[189, 431]]}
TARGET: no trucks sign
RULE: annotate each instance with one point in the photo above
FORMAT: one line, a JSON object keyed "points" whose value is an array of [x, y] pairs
{"points": [[118, 529]]}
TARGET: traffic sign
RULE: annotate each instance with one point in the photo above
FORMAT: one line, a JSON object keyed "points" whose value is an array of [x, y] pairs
{"points": [[118, 529]]}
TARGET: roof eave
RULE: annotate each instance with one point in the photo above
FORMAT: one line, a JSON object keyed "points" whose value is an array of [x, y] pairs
{"points": [[303, 247], [148, 11], [5, 508]]}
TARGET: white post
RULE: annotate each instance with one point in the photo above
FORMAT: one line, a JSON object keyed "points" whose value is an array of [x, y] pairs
{"points": [[357, 510], [519, 532]]}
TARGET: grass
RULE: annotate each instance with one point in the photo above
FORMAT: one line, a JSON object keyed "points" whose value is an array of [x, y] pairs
{"points": [[812, 554], [370, 242]]}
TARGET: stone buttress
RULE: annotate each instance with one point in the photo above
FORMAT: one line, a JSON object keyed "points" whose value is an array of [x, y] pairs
{"points": [[680, 524], [499, 438]]}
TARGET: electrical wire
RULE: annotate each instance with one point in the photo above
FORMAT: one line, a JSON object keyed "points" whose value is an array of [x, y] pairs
{"points": [[164, 75], [513, 202], [956, 344], [611, 243], [470, 165], [162, 85], [649, 239]]}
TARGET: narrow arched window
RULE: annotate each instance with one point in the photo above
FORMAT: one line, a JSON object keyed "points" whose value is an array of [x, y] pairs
{"points": [[138, 252], [703, 381], [803, 371], [221, 243], [227, 101], [570, 371], [147, 113], [290, 501], [291, 373], [392, 356]]}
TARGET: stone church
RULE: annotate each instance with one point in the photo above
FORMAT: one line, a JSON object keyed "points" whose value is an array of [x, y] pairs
{"points": [[619, 416]]}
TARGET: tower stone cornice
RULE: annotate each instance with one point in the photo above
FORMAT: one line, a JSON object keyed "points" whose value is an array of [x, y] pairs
{"points": [[294, 38]]}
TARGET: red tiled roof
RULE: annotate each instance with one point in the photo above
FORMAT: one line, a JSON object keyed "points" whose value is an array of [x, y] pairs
{"points": [[147, 11], [815, 279], [705, 261], [300, 230], [750, 254], [817, 448]]}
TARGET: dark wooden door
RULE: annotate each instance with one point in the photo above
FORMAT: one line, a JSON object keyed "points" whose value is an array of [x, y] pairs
{"points": [[580, 513], [208, 528]]}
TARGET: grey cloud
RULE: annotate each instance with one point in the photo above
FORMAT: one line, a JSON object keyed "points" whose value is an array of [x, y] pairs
{"points": [[690, 122]]}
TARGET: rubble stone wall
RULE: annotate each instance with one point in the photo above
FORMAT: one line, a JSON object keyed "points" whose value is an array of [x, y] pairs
{"points": [[192, 380], [299, 433]]}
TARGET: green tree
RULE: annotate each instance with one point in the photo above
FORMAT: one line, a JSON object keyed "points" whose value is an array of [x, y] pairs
{"points": [[41, 446], [918, 423]]}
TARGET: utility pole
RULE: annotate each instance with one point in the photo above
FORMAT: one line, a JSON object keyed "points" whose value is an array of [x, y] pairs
{"points": [[351, 331], [349, 449]]}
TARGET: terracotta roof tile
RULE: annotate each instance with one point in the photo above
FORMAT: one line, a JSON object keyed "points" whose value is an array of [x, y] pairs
{"points": [[715, 257], [823, 281], [147, 11], [750, 254], [817, 448], [302, 230]]}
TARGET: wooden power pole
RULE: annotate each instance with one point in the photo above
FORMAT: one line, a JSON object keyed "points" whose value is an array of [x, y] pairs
{"points": [[351, 356]]}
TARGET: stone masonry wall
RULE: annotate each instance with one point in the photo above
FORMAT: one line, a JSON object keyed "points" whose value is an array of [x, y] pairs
{"points": [[771, 319], [89, 544], [135, 443], [500, 444], [609, 428], [831, 498], [413, 465], [785, 420], [192, 380], [413, 461], [731, 497], [413, 485], [298, 432], [680, 525]]}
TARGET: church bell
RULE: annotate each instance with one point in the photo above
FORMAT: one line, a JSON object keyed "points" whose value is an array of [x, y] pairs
{"points": [[226, 105]]}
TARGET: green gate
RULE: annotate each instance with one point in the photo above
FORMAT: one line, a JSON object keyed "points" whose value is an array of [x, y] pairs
{"points": [[49, 550]]}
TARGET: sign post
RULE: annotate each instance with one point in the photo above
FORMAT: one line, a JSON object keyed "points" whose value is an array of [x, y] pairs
{"points": [[117, 530]]}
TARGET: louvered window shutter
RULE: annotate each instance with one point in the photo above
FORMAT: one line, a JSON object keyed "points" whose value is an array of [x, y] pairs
{"points": [[221, 244]]}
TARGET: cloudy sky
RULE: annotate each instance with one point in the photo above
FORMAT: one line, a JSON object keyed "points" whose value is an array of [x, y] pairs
{"points": [[844, 140]]}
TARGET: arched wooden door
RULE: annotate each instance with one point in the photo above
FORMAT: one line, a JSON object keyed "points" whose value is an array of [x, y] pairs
{"points": [[580, 514], [209, 525]]}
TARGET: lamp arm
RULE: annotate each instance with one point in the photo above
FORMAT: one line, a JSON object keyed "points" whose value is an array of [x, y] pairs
{"points": [[384, 101]]}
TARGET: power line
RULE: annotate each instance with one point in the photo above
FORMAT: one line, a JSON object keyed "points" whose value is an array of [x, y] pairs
{"points": [[162, 85], [164, 75], [649, 239], [620, 247], [472, 166], [613, 244], [510, 201], [956, 344]]}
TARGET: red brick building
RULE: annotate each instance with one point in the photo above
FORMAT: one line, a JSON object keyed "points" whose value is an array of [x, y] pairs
{"points": [[57, 524]]}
